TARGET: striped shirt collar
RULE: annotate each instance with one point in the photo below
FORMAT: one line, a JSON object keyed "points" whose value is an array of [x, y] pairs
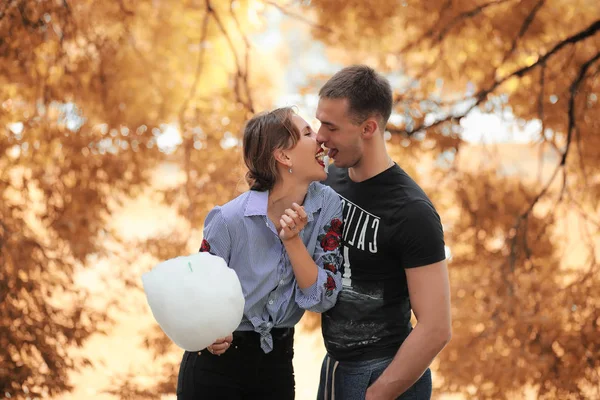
{"points": [[258, 201]]}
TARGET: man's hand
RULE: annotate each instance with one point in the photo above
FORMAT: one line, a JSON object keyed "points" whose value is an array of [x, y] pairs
{"points": [[220, 345], [429, 292], [373, 395]]}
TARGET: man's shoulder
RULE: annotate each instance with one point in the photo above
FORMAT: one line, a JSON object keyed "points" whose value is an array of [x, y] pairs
{"points": [[416, 209], [335, 175], [402, 185]]}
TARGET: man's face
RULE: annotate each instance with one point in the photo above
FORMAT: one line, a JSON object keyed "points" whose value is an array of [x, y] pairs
{"points": [[339, 133]]}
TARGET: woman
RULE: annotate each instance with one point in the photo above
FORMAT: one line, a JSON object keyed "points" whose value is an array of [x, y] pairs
{"points": [[282, 238]]}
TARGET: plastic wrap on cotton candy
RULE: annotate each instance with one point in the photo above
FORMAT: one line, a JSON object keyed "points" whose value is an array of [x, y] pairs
{"points": [[195, 299]]}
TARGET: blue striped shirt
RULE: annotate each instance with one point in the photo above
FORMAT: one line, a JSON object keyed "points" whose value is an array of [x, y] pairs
{"points": [[241, 233]]}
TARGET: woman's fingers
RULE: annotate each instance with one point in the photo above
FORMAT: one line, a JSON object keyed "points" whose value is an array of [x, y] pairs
{"points": [[300, 211], [220, 345], [298, 215], [291, 213], [293, 220], [289, 222], [218, 349]]}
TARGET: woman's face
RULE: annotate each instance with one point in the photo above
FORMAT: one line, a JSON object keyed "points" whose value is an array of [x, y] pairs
{"points": [[307, 155]]}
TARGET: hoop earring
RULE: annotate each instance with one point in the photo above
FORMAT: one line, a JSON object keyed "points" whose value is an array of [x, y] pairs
{"points": [[290, 170]]}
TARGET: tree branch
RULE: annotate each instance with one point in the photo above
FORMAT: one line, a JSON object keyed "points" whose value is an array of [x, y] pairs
{"points": [[285, 11], [542, 192], [124, 9], [562, 163], [480, 96], [25, 19], [245, 72], [572, 124], [187, 145], [239, 73], [429, 32], [542, 117], [579, 143], [583, 213], [574, 91], [199, 65], [584, 34], [425, 71], [524, 27], [8, 4], [67, 6], [458, 18], [465, 15]]}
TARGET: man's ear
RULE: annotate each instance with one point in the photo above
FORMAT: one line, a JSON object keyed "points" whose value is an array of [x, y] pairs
{"points": [[282, 158], [370, 127]]}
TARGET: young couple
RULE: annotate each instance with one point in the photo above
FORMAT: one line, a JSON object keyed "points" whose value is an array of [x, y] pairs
{"points": [[286, 241]]}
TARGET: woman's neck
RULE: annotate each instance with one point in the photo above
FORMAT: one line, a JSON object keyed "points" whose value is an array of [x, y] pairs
{"points": [[283, 195]]}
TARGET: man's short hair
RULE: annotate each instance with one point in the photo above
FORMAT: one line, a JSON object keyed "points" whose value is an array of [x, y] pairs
{"points": [[368, 92]]}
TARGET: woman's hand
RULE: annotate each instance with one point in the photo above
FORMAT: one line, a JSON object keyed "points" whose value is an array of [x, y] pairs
{"points": [[292, 222], [220, 346]]}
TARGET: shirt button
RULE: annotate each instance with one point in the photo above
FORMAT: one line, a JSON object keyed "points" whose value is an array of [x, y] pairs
{"points": [[270, 301], [269, 324], [281, 282]]}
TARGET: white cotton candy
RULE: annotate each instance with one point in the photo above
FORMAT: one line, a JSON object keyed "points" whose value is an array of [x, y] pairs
{"points": [[195, 299]]}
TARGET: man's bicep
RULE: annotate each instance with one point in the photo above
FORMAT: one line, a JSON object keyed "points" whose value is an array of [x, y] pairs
{"points": [[429, 291]]}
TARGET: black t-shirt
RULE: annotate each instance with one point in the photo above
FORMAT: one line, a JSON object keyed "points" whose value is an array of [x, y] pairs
{"points": [[389, 225]]}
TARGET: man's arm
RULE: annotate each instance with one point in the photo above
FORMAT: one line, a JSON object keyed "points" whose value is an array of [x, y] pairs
{"points": [[429, 292]]}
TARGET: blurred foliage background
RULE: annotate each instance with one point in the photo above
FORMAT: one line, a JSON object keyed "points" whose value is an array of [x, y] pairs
{"points": [[107, 108]]}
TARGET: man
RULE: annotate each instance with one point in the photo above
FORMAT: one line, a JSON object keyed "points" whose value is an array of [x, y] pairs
{"points": [[394, 256]]}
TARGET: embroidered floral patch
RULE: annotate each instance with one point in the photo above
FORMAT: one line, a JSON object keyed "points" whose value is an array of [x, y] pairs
{"points": [[330, 267], [329, 285], [331, 261], [331, 239], [336, 226], [205, 247]]}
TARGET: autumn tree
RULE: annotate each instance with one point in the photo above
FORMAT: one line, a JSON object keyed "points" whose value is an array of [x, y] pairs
{"points": [[87, 89], [523, 317]]}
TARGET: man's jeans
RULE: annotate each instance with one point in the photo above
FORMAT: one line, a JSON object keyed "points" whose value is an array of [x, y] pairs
{"points": [[349, 380]]}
